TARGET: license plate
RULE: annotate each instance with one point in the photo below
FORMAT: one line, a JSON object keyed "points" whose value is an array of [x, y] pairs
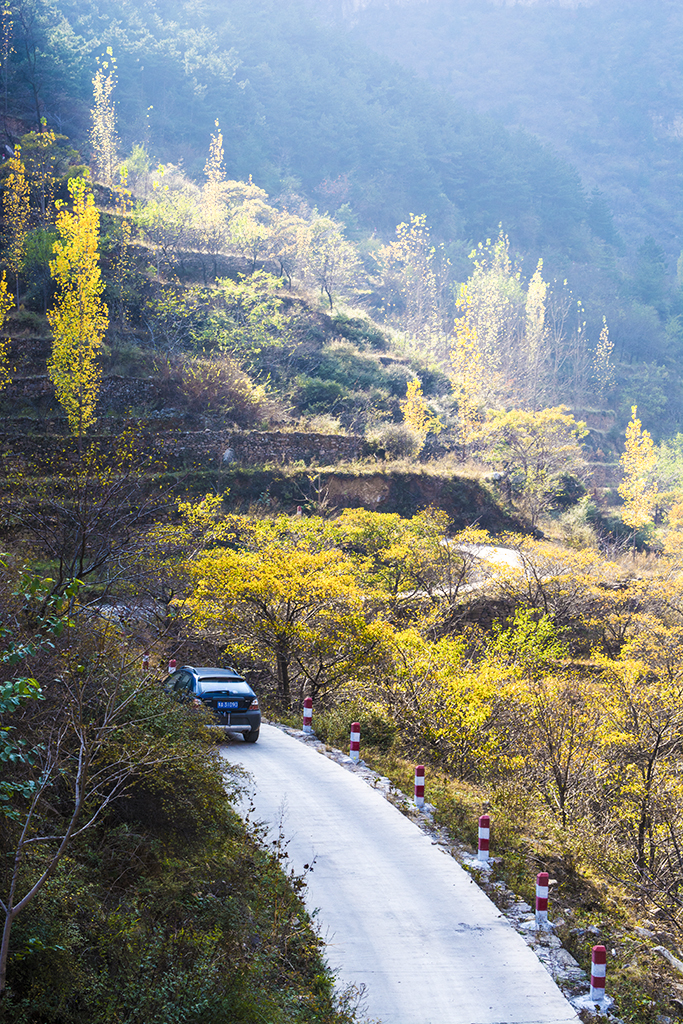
{"points": [[227, 705]]}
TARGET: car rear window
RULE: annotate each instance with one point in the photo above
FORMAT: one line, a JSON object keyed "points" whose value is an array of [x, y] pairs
{"points": [[216, 685]]}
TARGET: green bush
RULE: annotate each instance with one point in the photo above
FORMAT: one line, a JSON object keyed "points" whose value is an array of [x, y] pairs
{"points": [[316, 395], [397, 440], [434, 381], [362, 333], [578, 524], [26, 320], [566, 489], [377, 728], [397, 377], [344, 364]]}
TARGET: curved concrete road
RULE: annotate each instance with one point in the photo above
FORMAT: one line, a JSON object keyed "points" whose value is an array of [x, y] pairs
{"points": [[399, 915]]}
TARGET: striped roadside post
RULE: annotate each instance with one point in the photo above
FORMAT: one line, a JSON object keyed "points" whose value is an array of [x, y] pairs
{"points": [[354, 745], [172, 666], [484, 837], [542, 885], [420, 786], [308, 714], [598, 973]]}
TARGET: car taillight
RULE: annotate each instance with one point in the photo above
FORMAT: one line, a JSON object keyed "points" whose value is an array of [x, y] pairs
{"points": [[254, 704]]}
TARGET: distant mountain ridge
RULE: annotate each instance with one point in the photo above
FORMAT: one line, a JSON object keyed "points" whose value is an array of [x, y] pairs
{"points": [[348, 7], [598, 80]]}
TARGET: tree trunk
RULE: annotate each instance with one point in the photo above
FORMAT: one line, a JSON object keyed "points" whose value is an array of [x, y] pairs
{"points": [[4, 949], [282, 676]]}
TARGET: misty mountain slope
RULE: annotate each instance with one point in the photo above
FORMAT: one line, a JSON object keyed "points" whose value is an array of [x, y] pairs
{"points": [[601, 82], [300, 103], [318, 119]]}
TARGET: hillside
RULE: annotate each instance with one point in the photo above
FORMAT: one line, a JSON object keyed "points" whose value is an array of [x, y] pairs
{"points": [[323, 123], [287, 339], [300, 106], [599, 82]]}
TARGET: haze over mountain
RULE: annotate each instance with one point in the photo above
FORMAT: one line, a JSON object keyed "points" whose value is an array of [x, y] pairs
{"points": [[600, 80], [300, 105]]}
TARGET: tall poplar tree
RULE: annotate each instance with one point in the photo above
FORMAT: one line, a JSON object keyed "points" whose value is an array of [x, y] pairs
{"points": [[638, 462], [79, 317], [603, 368], [6, 303], [472, 381], [16, 210], [485, 352], [411, 260], [536, 339], [213, 208], [103, 132], [41, 156]]}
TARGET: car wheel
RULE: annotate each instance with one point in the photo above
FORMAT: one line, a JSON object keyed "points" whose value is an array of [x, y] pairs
{"points": [[251, 737]]}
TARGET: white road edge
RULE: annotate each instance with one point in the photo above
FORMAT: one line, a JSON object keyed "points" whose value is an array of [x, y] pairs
{"points": [[400, 917]]}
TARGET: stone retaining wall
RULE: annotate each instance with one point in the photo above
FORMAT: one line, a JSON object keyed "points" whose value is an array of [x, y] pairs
{"points": [[118, 394], [164, 441], [176, 450], [257, 448]]}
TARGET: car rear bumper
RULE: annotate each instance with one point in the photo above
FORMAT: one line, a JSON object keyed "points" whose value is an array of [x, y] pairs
{"points": [[231, 728], [239, 722]]}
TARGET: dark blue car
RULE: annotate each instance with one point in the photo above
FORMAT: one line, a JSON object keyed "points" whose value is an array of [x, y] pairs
{"points": [[228, 695]]}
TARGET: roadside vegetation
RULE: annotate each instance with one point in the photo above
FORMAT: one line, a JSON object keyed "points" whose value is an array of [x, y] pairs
{"points": [[552, 701], [131, 890], [546, 688]]}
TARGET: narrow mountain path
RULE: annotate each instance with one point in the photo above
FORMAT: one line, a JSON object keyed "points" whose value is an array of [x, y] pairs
{"points": [[399, 916]]}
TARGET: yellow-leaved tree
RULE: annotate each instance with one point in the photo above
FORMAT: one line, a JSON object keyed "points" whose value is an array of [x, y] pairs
{"points": [[416, 413], [79, 317], [103, 132], [296, 610], [485, 351], [16, 211], [6, 303], [469, 376], [533, 449], [638, 462]]}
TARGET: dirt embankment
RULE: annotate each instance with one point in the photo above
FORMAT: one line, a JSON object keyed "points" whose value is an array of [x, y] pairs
{"points": [[465, 501]]}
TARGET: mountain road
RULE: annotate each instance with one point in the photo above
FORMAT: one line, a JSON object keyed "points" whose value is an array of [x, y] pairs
{"points": [[400, 917]]}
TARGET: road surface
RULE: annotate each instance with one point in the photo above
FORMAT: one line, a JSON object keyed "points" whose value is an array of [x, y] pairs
{"points": [[399, 915], [494, 554]]}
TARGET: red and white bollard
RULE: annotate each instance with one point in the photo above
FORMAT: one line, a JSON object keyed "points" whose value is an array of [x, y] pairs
{"points": [[484, 837], [145, 662], [598, 973], [354, 745], [542, 886], [420, 786], [308, 714], [172, 666]]}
